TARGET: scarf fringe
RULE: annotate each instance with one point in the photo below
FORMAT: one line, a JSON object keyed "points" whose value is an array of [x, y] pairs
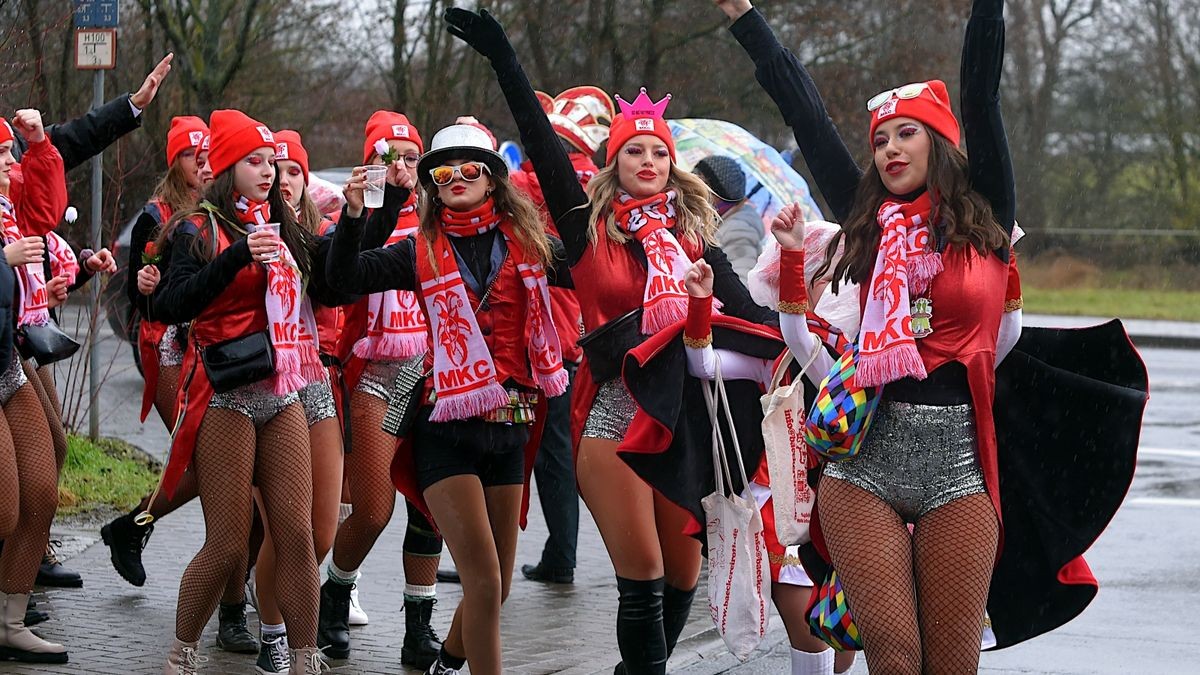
{"points": [[663, 313], [921, 271], [364, 349], [288, 377], [554, 384], [401, 346], [471, 404], [875, 369]]}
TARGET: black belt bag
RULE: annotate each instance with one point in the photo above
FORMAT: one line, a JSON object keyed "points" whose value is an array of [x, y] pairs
{"points": [[46, 344], [605, 347], [239, 362]]}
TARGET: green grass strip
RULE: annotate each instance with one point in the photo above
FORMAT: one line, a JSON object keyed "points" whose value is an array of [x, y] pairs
{"points": [[106, 473], [1114, 302]]}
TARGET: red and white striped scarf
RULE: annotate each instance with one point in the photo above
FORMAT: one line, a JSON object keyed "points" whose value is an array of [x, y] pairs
{"points": [[62, 257], [31, 278], [650, 222], [904, 267], [293, 332], [464, 374], [396, 328]]}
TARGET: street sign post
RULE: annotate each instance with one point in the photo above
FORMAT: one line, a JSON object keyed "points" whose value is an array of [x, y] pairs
{"points": [[95, 50]]}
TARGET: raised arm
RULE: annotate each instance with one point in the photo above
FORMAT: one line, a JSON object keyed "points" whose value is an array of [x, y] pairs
{"points": [[991, 171], [564, 195], [792, 88]]}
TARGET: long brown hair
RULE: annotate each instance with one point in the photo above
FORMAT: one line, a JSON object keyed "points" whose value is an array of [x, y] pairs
{"points": [[528, 226], [696, 219], [964, 216], [220, 194], [175, 190]]}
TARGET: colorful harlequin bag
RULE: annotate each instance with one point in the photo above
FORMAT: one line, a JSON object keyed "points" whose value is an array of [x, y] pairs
{"points": [[842, 411], [829, 616]]}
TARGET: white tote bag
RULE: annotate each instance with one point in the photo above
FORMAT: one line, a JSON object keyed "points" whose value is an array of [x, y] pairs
{"points": [[739, 576], [787, 455]]}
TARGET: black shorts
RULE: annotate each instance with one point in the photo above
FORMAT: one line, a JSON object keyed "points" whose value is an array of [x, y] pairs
{"points": [[494, 452]]}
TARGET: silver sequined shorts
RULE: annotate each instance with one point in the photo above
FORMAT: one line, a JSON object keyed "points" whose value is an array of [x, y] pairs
{"points": [[170, 352], [916, 457], [318, 402], [12, 379], [378, 377], [257, 401], [611, 413]]}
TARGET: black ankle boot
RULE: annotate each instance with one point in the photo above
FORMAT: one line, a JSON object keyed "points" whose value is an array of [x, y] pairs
{"points": [[333, 623], [52, 572], [640, 634], [232, 634], [677, 607], [421, 644], [125, 540]]}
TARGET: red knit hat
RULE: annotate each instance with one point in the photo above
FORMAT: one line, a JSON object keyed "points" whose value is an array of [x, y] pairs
{"points": [[186, 133], [288, 145], [235, 135], [6, 132], [387, 125], [640, 117], [926, 102]]}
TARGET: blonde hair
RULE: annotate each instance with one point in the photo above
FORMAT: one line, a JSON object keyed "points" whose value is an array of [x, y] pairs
{"points": [[696, 219], [528, 227], [175, 190]]}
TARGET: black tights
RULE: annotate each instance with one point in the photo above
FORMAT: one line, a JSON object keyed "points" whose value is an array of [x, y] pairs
{"points": [[231, 457]]}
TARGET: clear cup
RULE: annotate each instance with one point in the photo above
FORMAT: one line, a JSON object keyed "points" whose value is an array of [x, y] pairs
{"points": [[273, 228], [373, 194]]}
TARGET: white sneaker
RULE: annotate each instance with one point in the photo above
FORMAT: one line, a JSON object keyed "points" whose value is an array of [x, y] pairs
{"points": [[357, 616]]}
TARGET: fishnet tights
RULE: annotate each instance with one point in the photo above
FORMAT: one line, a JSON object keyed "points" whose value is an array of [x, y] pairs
{"points": [[166, 394], [937, 628], [368, 471], [27, 467], [47, 393], [225, 469]]}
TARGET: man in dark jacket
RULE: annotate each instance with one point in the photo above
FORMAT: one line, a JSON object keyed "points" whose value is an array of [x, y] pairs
{"points": [[82, 138]]}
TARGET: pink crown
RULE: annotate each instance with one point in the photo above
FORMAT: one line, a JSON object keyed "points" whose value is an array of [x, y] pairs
{"points": [[642, 106]]}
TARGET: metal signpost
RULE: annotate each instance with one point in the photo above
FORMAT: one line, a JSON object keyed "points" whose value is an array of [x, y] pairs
{"points": [[95, 50]]}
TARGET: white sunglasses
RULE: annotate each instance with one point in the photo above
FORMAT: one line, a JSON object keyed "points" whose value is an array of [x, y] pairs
{"points": [[906, 92]]}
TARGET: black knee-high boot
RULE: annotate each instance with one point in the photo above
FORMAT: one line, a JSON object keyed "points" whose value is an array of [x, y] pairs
{"points": [[677, 606], [640, 636]]}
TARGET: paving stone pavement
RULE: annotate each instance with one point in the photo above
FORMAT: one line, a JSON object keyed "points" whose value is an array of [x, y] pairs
{"points": [[112, 628]]}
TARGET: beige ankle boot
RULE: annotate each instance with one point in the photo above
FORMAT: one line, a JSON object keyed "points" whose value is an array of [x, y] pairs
{"points": [[184, 658], [18, 643], [308, 661]]}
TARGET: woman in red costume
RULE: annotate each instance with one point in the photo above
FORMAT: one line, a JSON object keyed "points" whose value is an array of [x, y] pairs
{"points": [[480, 265], [633, 241], [241, 284], [926, 233], [33, 196]]}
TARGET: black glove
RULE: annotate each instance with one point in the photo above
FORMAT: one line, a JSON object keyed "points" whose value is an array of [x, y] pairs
{"points": [[481, 31]]}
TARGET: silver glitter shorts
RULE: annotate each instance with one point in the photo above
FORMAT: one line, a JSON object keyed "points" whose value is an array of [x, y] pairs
{"points": [[916, 457], [611, 413], [12, 379], [318, 402], [170, 351], [257, 401], [378, 377]]}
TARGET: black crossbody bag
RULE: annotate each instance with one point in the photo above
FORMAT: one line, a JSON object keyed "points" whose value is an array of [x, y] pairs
{"points": [[241, 361]]}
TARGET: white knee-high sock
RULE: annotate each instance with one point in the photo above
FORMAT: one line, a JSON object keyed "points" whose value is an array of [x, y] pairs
{"points": [[808, 663]]}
